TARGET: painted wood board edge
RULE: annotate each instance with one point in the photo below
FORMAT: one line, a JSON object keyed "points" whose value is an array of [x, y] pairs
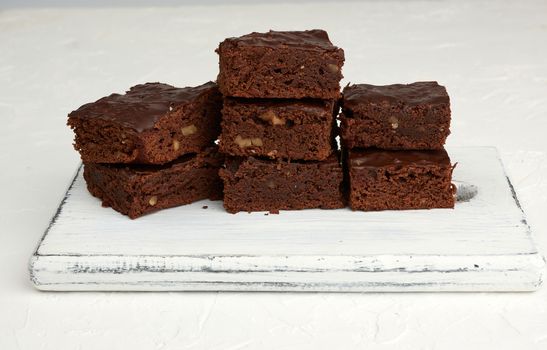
{"points": [[516, 272], [289, 273]]}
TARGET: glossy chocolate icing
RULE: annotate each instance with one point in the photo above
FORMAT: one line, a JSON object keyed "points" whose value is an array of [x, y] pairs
{"points": [[374, 158], [425, 92], [233, 163], [308, 39], [207, 155], [142, 106], [305, 105]]}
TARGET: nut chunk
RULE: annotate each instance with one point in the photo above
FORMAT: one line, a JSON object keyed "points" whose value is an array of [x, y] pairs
{"points": [[280, 65], [414, 116], [135, 190], [152, 123], [280, 129], [382, 179], [252, 184]]}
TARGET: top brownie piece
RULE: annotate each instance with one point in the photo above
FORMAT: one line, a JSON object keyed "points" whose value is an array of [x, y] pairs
{"points": [[152, 123], [299, 64], [413, 116]]}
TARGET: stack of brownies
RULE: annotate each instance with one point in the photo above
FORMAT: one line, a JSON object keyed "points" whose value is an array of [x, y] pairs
{"points": [[152, 147], [281, 92], [274, 114], [393, 140]]}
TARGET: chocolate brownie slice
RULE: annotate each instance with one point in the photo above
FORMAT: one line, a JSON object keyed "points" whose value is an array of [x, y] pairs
{"points": [[280, 65], [381, 179], [288, 129], [135, 190], [152, 123], [252, 184], [413, 116]]}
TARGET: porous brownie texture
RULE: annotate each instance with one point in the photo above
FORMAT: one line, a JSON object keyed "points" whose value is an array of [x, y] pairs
{"points": [[383, 179], [152, 123], [253, 184], [291, 64], [135, 190], [287, 129], [413, 117]]}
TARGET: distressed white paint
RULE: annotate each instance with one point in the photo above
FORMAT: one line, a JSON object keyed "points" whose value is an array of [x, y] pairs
{"points": [[484, 244]]}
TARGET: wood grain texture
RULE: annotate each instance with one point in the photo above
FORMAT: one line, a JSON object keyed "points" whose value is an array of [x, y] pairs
{"points": [[484, 244]]}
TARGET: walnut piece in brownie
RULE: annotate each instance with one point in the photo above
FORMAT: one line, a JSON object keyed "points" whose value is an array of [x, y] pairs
{"points": [[382, 179], [278, 128], [135, 190], [414, 116], [292, 64], [252, 184], [152, 123]]}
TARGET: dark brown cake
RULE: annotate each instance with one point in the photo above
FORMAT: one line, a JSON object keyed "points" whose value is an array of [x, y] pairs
{"points": [[280, 65], [380, 179], [135, 190], [252, 184], [414, 116], [288, 129], [152, 123]]}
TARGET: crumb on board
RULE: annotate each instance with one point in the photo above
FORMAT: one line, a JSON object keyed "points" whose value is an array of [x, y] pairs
{"points": [[205, 207]]}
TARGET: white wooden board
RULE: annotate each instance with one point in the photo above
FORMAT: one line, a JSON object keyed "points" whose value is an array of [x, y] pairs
{"points": [[484, 244]]}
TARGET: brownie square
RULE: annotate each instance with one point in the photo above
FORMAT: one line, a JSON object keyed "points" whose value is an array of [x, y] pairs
{"points": [[275, 64], [287, 129], [252, 184], [414, 116], [152, 123], [385, 179], [135, 190]]}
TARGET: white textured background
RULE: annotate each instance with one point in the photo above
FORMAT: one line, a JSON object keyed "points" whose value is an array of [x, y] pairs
{"points": [[490, 55]]}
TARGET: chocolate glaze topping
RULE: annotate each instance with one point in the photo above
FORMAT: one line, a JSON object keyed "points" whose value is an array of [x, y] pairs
{"points": [[425, 92], [142, 106], [306, 105], [373, 158], [232, 163], [208, 154], [315, 39]]}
